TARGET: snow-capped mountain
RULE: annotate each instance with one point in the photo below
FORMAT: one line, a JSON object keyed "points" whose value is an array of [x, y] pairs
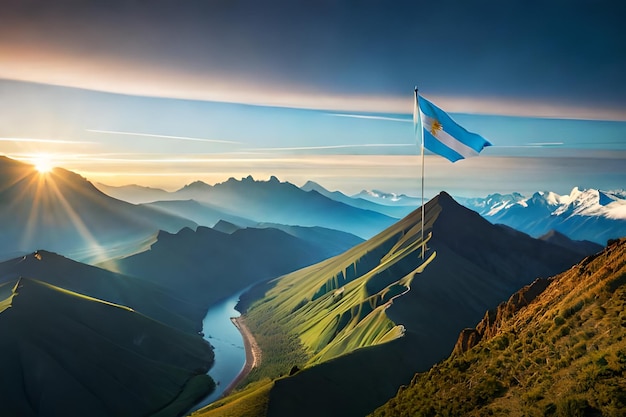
{"points": [[586, 214], [391, 199]]}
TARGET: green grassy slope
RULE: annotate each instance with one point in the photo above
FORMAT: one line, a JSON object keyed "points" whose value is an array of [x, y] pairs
{"points": [[563, 354], [144, 297], [365, 321], [62, 353]]}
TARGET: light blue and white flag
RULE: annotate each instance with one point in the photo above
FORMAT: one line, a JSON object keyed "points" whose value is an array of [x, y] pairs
{"points": [[444, 136]]}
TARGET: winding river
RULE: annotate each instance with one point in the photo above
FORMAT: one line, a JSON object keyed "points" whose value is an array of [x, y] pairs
{"points": [[227, 342]]}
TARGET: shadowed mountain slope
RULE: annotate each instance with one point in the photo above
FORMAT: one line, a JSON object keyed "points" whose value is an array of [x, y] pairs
{"points": [[205, 214], [584, 247], [62, 353], [142, 296], [63, 212], [557, 347], [207, 265], [370, 318], [331, 242]]}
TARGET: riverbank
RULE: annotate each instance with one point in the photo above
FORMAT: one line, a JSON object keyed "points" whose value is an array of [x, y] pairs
{"points": [[253, 353]]}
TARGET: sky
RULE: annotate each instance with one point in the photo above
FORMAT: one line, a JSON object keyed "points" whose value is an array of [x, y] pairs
{"points": [[162, 93]]}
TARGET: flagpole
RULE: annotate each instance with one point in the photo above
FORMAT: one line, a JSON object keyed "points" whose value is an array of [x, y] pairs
{"points": [[416, 114]]}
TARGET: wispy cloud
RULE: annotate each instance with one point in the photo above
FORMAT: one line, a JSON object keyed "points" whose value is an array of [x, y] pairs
{"points": [[533, 145], [309, 148], [39, 140], [545, 144], [371, 117], [152, 135]]}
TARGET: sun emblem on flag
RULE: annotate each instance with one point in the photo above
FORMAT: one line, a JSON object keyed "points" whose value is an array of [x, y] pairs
{"points": [[435, 127]]}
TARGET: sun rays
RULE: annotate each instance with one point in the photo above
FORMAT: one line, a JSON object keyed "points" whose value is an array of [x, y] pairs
{"points": [[50, 206]]}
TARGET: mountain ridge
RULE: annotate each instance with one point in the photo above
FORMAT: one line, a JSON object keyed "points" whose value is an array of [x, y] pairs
{"points": [[362, 315]]}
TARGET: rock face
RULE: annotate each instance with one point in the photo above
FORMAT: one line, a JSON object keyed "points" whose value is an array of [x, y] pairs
{"points": [[489, 325]]}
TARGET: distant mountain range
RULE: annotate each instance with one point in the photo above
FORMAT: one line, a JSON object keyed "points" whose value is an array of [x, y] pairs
{"points": [[273, 201], [590, 214], [247, 202], [390, 205], [371, 317]]}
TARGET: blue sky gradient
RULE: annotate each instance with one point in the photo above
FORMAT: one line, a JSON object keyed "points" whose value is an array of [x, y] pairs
{"points": [[162, 93]]}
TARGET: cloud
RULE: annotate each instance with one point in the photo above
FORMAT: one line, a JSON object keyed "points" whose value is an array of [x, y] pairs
{"points": [[151, 135], [369, 117], [40, 140], [532, 145], [310, 148]]}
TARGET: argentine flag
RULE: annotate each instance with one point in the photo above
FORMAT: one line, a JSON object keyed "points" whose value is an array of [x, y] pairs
{"points": [[444, 136]]}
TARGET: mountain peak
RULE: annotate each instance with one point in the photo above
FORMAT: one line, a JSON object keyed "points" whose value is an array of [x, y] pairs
{"points": [[196, 185], [313, 186]]}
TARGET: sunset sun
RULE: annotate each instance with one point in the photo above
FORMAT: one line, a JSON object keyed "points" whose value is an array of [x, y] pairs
{"points": [[43, 164]]}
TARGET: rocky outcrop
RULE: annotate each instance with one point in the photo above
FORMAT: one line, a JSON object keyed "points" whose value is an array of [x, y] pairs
{"points": [[490, 324]]}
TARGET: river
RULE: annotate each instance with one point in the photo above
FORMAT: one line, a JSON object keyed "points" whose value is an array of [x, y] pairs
{"points": [[227, 342]]}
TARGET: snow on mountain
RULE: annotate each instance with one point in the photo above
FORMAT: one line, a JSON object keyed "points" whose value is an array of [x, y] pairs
{"points": [[589, 202], [382, 197], [590, 214], [493, 203]]}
